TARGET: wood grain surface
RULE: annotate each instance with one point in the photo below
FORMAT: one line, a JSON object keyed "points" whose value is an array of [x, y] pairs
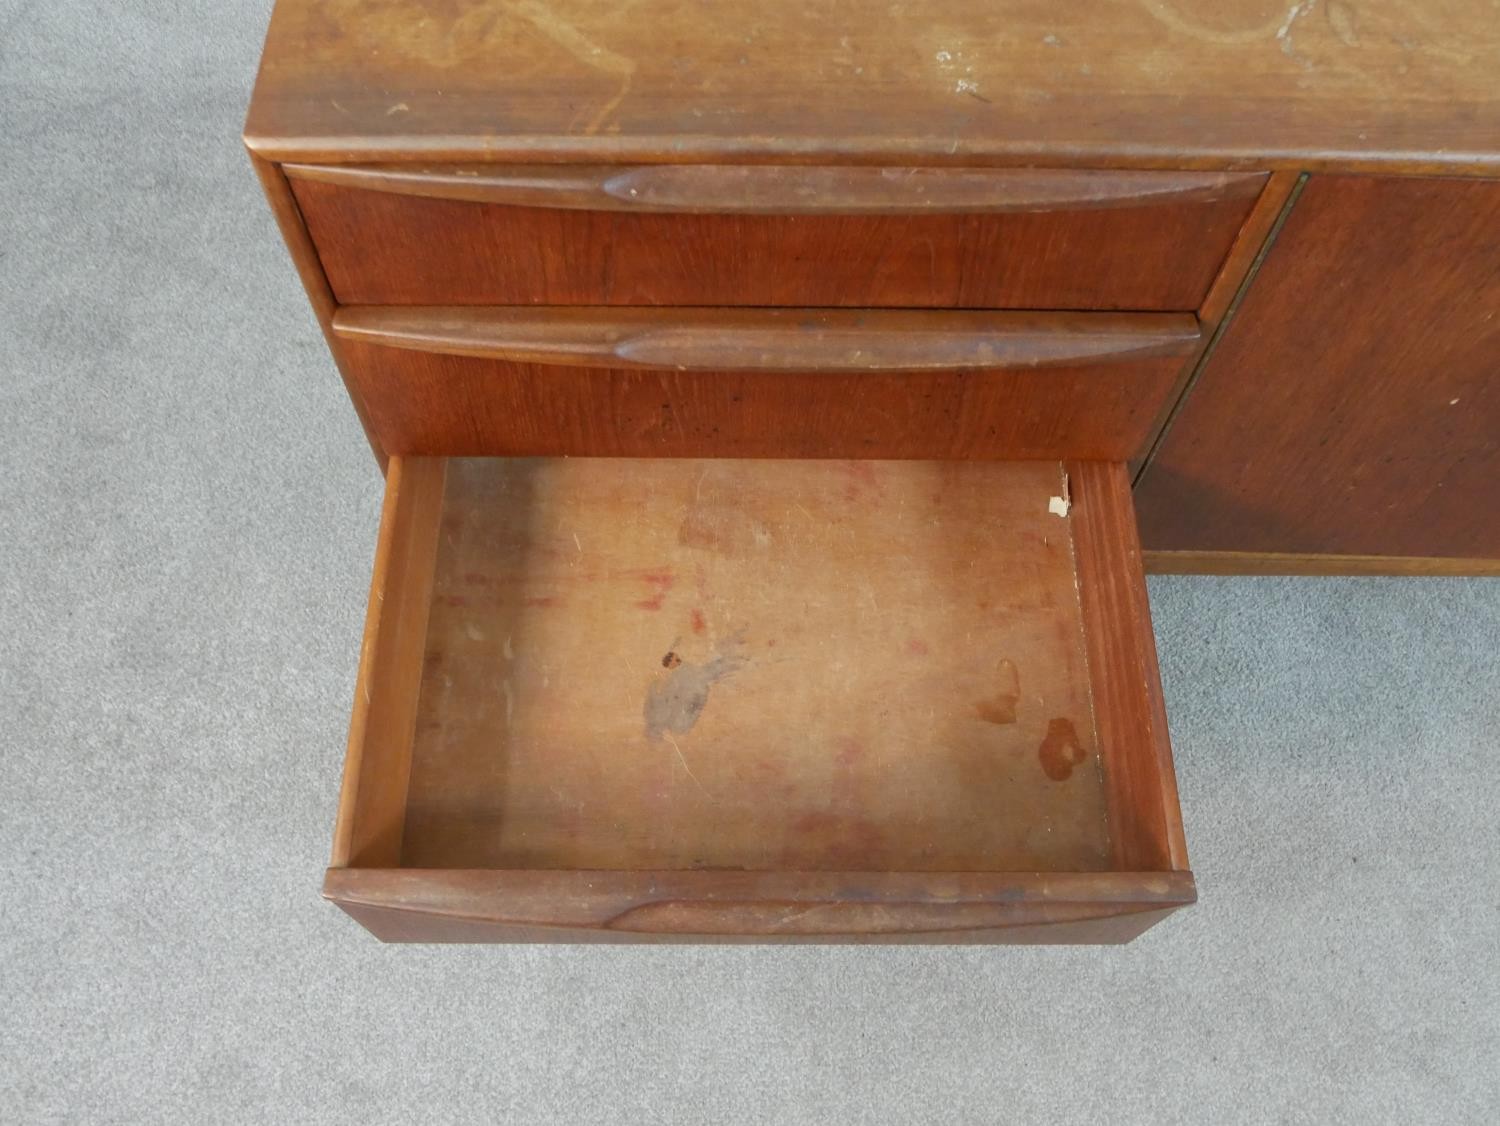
{"points": [[477, 905], [425, 404], [382, 247], [786, 340], [1128, 704], [310, 270], [1273, 563], [372, 802], [1200, 83], [755, 665], [1233, 279], [729, 701], [749, 189], [1352, 405]]}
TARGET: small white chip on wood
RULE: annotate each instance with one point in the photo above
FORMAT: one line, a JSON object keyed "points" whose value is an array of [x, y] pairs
{"points": [[1059, 505]]}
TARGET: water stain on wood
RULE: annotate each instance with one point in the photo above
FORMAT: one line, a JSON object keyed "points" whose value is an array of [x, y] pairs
{"points": [[837, 841], [723, 530], [862, 480], [850, 752], [676, 698], [764, 772], [1000, 707], [659, 582], [1060, 751]]}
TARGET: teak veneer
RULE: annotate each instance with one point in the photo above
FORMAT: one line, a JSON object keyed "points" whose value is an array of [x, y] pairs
{"points": [[760, 392]]}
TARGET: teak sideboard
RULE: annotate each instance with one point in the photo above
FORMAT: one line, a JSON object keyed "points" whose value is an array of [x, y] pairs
{"points": [[780, 406]]}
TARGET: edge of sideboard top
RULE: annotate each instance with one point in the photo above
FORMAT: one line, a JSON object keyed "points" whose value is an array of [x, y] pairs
{"points": [[1378, 85]]}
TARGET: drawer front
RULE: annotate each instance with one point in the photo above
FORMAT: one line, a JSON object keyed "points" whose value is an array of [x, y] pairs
{"points": [[702, 907], [727, 700], [772, 236], [762, 383]]}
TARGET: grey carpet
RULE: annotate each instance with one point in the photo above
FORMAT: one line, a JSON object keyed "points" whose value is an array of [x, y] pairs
{"points": [[186, 520]]}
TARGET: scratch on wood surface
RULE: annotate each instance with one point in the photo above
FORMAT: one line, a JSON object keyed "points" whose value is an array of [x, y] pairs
{"points": [[1284, 33], [1062, 502], [1166, 14], [585, 50], [797, 914], [1000, 707], [685, 765], [1341, 17], [1296, 12]]}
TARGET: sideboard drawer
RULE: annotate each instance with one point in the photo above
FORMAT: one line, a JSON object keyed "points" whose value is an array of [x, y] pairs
{"points": [[772, 236], [762, 383], [717, 700]]}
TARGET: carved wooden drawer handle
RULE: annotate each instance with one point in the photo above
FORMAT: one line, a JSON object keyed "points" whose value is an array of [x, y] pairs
{"points": [[816, 905], [787, 189], [771, 340]]}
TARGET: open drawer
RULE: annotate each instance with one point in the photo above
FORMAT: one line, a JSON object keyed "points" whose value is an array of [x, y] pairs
{"points": [[719, 700]]}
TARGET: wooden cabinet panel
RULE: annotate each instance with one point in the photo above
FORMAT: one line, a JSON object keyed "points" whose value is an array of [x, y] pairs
{"points": [[1353, 406]]}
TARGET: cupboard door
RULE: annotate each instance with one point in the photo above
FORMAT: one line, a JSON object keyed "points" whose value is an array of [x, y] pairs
{"points": [[1353, 405]]}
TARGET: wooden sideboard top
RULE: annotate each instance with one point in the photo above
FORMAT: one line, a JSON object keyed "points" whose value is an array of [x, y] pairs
{"points": [[1378, 84]]}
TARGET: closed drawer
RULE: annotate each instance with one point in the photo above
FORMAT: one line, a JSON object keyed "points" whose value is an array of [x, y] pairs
{"points": [[762, 383], [772, 236], [758, 701]]}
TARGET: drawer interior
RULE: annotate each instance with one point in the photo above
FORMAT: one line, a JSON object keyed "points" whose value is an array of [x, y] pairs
{"points": [[813, 700]]}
